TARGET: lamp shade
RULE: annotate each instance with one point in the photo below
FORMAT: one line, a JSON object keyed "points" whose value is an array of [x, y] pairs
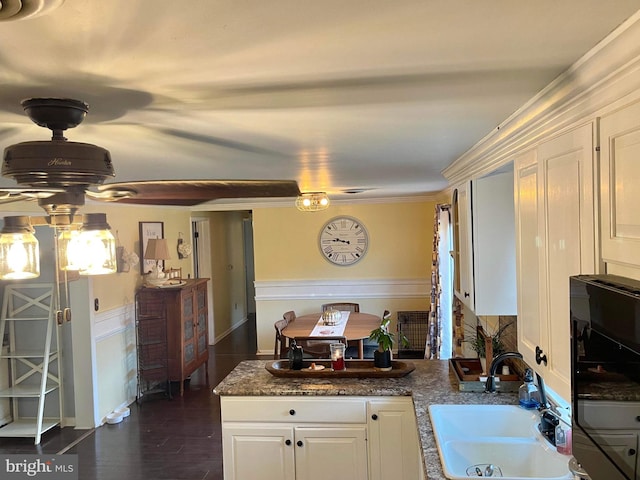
{"points": [[19, 250], [157, 249], [98, 246]]}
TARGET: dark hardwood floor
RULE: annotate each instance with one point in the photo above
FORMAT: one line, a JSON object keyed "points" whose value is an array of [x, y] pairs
{"points": [[177, 439]]}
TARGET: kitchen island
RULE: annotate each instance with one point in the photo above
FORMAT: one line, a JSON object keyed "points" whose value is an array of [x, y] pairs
{"points": [[431, 382]]}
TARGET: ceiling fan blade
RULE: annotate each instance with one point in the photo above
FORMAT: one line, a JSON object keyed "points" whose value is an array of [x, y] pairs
{"points": [[17, 194], [217, 141], [194, 192]]}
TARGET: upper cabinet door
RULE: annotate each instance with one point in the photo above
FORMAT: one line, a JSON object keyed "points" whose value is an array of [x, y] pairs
{"points": [[462, 244], [619, 180], [484, 244], [567, 163], [494, 250], [529, 254], [555, 239]]}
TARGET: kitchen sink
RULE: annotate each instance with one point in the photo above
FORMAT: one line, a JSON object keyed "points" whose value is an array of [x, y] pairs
{"points": [[464, 421], [499, 441]]}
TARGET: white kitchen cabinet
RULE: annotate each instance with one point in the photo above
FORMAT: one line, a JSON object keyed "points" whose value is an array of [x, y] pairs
{"points": [[323, 452], [265, 438], [268, 452], [462, 246], [486, 245], [555, 235], [619, 180], [394, 450], [307, 437], [258, 452]]}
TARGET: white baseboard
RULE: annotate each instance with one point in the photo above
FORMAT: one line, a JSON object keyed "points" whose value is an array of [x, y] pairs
{"points": [[227, 332]]}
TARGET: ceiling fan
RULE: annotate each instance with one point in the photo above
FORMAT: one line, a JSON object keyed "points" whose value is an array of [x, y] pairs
{"points": [[59, 173]]}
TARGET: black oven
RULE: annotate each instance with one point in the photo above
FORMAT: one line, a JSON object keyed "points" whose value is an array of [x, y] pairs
{"points": [[605, 366]]}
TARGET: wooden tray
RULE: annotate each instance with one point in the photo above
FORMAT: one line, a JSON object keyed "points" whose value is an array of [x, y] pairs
{"points": [[469, 370], [355, 369]]}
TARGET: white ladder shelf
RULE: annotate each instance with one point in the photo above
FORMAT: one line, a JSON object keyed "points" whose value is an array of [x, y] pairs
{"points": [[34, 360]]}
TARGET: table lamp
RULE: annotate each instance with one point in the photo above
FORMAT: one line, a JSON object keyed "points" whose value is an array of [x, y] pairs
{"points": [[157, 249]]}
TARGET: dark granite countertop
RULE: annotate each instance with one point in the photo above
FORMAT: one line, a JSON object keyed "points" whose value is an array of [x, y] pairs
{"points": [[430, 383]]}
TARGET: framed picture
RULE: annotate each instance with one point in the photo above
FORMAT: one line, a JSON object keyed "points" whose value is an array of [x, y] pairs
{"points": [[149, 230]]}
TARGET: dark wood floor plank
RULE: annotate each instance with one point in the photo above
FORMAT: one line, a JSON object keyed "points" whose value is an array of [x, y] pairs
{"points": [[177, 439]]}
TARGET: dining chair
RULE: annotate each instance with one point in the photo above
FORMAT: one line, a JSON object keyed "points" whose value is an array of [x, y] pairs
{"points": [[280, 346], [318, 347], [343, 306], [289, 316]]}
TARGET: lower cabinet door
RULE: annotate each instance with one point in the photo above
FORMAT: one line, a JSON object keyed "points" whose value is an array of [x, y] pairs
{"points": [[394, 450], [257, 452], [331, 452]]}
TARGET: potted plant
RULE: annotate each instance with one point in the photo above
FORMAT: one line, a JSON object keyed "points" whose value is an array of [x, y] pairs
{"points": [[478, 343], [385, 339]]}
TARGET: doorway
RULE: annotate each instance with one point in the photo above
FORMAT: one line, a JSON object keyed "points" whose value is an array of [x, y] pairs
{"points": [[223, 252], [250, 276]]}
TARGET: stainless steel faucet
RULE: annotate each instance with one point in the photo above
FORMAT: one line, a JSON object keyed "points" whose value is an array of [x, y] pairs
{"points": [[490, 386]]}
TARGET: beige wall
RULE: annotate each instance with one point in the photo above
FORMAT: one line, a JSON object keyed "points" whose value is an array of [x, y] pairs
{"points": [[116, 290], [286, 249], [286, 242]]}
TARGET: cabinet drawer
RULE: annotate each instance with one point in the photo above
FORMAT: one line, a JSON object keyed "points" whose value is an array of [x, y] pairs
{"points": [[611, 415], [293, 409]]}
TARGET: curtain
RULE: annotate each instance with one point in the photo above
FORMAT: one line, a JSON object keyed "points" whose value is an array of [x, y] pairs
{"points": [[439, 346]]}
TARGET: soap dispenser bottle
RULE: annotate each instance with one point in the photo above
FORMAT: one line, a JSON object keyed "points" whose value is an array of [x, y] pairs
{"points": [[528, 392]]}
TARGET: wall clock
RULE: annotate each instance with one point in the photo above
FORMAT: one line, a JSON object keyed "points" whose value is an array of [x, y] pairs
{"points": [[343, 240]]}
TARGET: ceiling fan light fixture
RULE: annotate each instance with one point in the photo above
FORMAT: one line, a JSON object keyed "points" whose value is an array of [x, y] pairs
{"points": [[96, 245], [312, 201], [69, 253], [19, 250]]}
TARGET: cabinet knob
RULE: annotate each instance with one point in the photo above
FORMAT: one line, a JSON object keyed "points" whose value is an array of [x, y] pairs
{"points": [[287, 442], [631, 452], [292, 412], [466, 294], [540, 357], [299, 443], [638, 418], [374, 417]]}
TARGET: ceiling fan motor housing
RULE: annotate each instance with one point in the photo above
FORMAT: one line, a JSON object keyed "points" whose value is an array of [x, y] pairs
{"points": [[57, 163]]}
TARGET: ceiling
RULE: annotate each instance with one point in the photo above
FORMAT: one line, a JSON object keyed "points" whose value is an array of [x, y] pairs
{"points": [[371, 95]]}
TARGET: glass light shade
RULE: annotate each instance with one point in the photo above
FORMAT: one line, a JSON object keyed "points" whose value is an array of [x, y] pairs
{"points": [[69, 250], [19, 256], [312, 201], [96, 246]]}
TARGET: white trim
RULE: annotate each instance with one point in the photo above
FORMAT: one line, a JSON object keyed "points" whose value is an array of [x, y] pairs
{"points": [[252, 204], [113, 322], [593, 85], [229, 330], [68, 422], [314, 289]]}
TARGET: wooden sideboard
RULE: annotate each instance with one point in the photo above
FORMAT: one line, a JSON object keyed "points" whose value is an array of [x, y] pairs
{"points": [[182, 312]]}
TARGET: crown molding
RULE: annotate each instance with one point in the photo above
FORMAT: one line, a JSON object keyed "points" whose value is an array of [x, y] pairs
{"points": [[602, 79], [252, 204]]}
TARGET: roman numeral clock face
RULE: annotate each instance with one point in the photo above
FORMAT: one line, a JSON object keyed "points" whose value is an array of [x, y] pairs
{"points": [[344, 241]]}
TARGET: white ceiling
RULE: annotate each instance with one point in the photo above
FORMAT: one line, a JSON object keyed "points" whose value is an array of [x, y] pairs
{"points": [[337, 94]]}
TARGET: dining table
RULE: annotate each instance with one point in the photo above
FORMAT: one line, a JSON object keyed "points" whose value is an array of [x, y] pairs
{"points": [[357, 329]]}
